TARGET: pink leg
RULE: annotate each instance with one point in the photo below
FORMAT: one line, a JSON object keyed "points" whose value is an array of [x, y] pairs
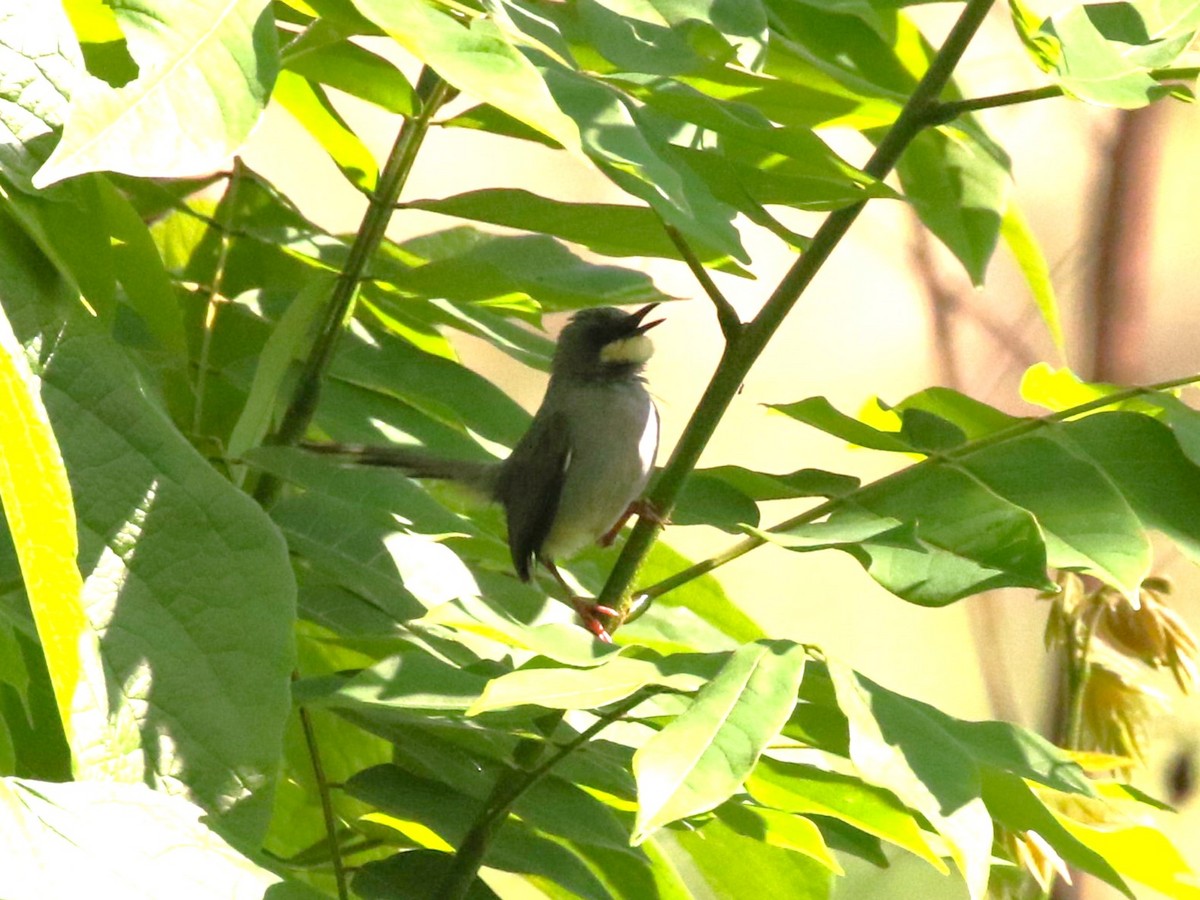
{"points": [[643, 509]]}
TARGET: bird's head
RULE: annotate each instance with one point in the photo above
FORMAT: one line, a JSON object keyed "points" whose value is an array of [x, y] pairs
{"points": [[605, 343]]}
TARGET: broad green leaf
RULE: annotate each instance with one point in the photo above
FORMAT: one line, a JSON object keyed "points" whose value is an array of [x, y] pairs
{"points": [[958, 183], [210, 64], [477, 60], [187, 583], [38, 507], [740, 24], [289, 340], [900, 749], [820, 413], [806, 790], [1023, 245], [733, 865], [41, 63], [1144, 460], [411, 680], [1013, 804], [606, 228], [1059, 389], [616, 679], [968, 538], [1135, 847], [465, 265], [633, 147], [779, 829], [59, 841], [309, 105], [345, 66], [448, 813], [701, 758], [1102, 53], [410, 875]]}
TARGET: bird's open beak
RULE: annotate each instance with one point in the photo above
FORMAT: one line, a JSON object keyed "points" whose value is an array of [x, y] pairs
{"points": [[635, 319]]}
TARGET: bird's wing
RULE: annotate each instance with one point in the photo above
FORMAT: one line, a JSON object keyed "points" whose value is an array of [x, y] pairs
{"points": [[530, 487]]}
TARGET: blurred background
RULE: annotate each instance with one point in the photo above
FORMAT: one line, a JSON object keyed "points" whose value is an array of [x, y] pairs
{"points": [[1111, 196]]}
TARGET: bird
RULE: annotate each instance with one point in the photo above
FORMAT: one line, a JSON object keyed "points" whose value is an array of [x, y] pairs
{"points": [[577, 474]]}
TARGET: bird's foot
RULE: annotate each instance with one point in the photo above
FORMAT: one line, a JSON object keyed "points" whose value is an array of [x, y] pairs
{"points": [[590, 612], [643, 509]]}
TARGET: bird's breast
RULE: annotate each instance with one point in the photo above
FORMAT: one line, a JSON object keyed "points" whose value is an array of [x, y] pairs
{"points": [[614, 441]]}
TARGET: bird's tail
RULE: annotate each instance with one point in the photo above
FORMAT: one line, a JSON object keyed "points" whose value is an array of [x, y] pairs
{"points": [[480, 476]]}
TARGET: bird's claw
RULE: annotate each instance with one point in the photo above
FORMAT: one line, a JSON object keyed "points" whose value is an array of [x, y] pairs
{"points": [[589, 611]]}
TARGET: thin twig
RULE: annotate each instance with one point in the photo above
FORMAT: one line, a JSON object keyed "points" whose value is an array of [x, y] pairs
{"points": [[505, 793], [432, 91], [1025, 426], [740, 355], [314, 755], [952, 109], [216, 296], [727, 317]]}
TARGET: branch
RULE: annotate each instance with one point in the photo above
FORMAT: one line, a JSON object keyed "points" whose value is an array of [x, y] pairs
{"points": [[327, 814], [432, 91], [744, 546], [506, 792], [951, 110], [727, 316], [740, 354]]}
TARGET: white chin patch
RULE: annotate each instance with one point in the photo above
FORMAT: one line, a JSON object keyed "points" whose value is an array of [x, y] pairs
{"points": [[636, 350]]}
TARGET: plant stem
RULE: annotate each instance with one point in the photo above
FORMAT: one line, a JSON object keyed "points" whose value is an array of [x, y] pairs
{"points": [[727, 316], [507, 791], [314, 754], [432, 91], [951, 110], [1024, 426], [215, 294], [741, 353]]}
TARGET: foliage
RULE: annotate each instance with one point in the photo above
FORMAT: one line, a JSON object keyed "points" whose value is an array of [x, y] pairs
{"points": [[169, 336]]}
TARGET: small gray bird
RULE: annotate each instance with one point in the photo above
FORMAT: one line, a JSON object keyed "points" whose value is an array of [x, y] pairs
{"points": [[577, 474]]}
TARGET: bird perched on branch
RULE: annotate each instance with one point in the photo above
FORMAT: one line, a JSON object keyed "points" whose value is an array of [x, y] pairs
{"points": [[577, 474]]}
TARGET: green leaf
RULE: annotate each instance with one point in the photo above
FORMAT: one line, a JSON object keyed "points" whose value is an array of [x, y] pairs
{"points": [[309, 105], [38, 506], [733, 865], [701, 758], [210, 64], [606, 228], [779, 829], [1144, 460], [464, 265], [289, 340], [411, 875], [186, 581], [70, 840], [411, 680], [1013, 804], [598, 686], [1103, 53], [810, 791], [898, 748], [42, 63], [820, 413], [1023, 245], [1136, 849], [476, 59], [345, 66], [958, 181], [448, 813]]}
